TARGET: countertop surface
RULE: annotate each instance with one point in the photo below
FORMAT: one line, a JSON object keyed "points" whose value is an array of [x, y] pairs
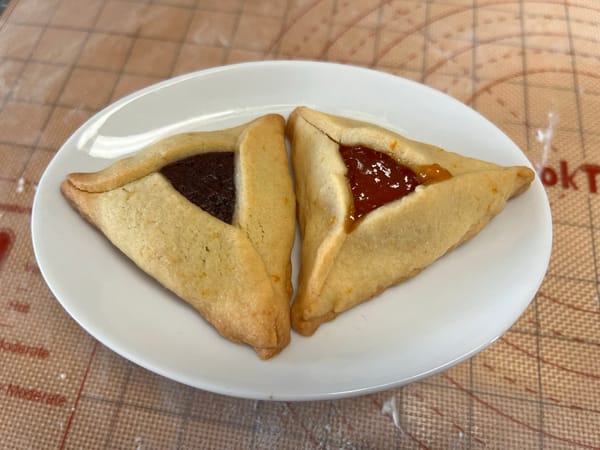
{"points": [[530, 67]]}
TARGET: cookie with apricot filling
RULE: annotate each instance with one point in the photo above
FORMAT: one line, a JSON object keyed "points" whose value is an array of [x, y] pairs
{"points": [[376, 208]]}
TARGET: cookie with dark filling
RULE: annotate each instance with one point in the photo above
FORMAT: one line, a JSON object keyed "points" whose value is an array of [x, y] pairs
{"points": [[376, 208], [211, 216]]}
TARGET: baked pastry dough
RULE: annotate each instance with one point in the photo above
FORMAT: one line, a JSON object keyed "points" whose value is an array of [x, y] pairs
{"points": [[238, 275], [343, 266]]}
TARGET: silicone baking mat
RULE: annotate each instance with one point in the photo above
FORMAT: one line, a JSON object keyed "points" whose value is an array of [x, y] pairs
{"points": [[532, 67]]}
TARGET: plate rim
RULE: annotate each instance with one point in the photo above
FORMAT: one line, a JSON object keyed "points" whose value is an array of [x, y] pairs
{"points": [[249, 394]]}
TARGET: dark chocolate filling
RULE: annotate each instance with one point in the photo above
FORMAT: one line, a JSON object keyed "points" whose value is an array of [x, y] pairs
{"points": [[206, 180]]}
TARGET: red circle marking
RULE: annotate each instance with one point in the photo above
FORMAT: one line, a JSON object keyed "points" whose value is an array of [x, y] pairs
{"points": [[6, 240]]}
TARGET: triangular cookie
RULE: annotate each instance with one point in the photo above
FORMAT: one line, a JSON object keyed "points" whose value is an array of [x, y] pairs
{"points": [[237, 274], [345, 261]]}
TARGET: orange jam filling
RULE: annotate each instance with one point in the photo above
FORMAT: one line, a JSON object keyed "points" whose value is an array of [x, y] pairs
{"points": [[376, 178]]}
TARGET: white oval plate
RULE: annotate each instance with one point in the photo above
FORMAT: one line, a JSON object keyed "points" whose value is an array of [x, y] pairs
{"points": [[452, 310]]}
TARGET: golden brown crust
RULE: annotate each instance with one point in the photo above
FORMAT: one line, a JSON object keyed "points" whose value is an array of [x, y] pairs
{"points": [[154, 157], [393, 242], [265, 190], [226, 272]]}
